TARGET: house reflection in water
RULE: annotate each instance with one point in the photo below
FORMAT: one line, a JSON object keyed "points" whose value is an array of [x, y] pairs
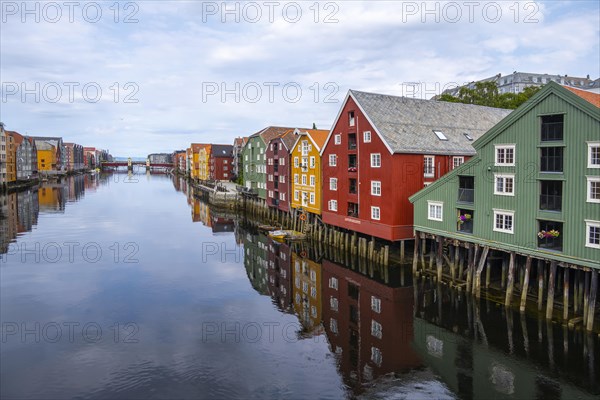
{"points": [[279, 276], [369, 325], [307, 293], [18, 215]]}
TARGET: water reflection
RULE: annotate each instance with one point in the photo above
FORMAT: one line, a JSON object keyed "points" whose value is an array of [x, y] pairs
{"points": [[360, 330]]}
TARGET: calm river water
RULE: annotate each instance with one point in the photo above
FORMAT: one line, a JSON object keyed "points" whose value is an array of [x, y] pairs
{"points": [[129, 287]]}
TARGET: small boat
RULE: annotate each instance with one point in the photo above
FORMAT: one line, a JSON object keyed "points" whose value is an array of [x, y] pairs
{"points": [[266, 228], [278, 234]]}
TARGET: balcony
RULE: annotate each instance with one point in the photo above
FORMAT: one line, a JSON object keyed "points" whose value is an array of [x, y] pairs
{"points": [[352, 163], [466, 189], [353, 210]]}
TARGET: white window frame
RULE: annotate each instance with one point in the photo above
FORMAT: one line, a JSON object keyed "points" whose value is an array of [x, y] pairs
{"points": [[504, 213], [333, 283], [428, 172], [505, 147], [296, 162], [296, 195], [431, 204], [375, 213], [333, 325], [376, 356], [460, 159], [313, 181], [296, 178], [592, 145], [376, 304], [503, 177], [589, 224], [303, 179], [376, 188], [311, 198], [376, 329], [588, 189], [333, 303], [282, 196], [332, 205], [282, 161], [337, 138], [332, 160], [374, 157], [367, 137], [312, 162], [332, 183]]}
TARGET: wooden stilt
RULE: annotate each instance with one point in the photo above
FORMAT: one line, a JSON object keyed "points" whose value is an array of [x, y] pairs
{"points": [[576, 292], [525, 285], [471, 266], [504, 269], [415, 254], [540, 266], [566, 293], [551, 282], [482, 262], [511, 279], [402, 251], [488, 274], [592, 300], [455, 263], [586, 295], [438, 258], [423, 249]]}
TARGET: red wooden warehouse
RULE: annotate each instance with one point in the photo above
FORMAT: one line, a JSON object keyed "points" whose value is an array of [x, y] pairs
{"points": [[382, 149]]}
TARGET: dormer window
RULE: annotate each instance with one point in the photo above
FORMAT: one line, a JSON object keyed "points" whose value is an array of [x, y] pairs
{"points": [[440, 135]]}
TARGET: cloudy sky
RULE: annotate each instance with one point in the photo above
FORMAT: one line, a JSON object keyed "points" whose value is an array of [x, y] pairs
{"points": [[153, 76]]}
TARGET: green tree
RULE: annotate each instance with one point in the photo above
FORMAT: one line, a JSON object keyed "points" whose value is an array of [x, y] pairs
{"points": [[486, 94]]}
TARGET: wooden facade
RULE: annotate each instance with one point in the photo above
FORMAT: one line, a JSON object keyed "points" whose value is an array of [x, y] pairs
{"points": [[278, 171]]}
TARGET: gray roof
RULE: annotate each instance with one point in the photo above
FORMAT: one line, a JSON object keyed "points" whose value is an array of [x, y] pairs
{"points": [[407, 124], [221, 150]]}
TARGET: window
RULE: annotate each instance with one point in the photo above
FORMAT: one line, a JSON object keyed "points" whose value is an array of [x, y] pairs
{"points": [[352, 187], [593, 155], [552, 127], [333, 283], [466, 189], [351, 120], [333, 303], [332, 160], [332, 183], [428, 166], [376, 356], [503, 221], [375, 160], [436, 210], [505, 155], [333, 325], [305, 147], [592, 229], [469, 137], [296, 178], [296, 195], [550, 235], [367, 137], [332, 205], [312, 180], [312, 162], [282, 161], [457, 161], [465, 220], [282, 196], [504, 184], [270, 178], [338, 139], [593, 189], [352, 164], [270, 193], [376, 329], [376, 188], [313, 292], [552, 159], [296, 162], [312, 198], [375, 213], [375, 304], [551, 195], [304, 179], [440, 135]]}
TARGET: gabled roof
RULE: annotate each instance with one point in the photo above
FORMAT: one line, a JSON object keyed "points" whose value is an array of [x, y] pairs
{"points": [[317, 136], [43, 145], [240, 141], [221, 150], [17, 137], [196, 147], [407, 125], [592, 97], [563, 92], [271, 132]]}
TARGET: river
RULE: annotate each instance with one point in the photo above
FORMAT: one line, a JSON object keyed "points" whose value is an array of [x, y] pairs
{"points": [[128, 286]]}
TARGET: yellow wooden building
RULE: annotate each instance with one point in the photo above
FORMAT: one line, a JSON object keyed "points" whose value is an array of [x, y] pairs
{"points": [[204, 163], [306, 170], [307, 294], [46, 155]]}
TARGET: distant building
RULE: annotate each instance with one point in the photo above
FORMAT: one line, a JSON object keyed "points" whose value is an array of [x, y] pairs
{"points": [[60, 155], [25, 156], [160, 158], [517, 81], [2, 155], [238, 146], [46, 156], [74, 157], [221, 162]]}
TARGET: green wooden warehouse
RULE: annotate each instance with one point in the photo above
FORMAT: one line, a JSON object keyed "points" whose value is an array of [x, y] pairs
{"points": [[528, 201]]}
